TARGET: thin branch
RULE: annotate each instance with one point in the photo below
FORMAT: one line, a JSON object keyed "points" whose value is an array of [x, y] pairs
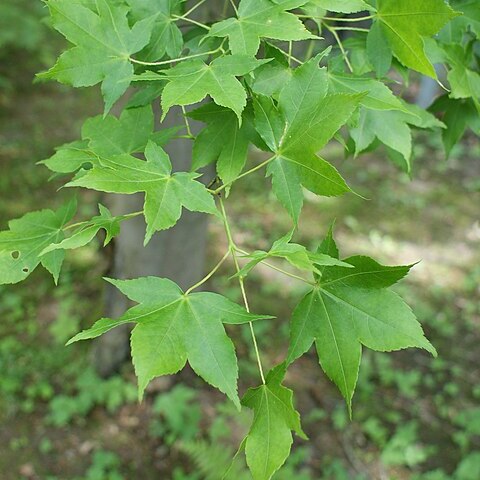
{"points": [[233, 250], [125, 217], [278, 269], [191, 20], [187, 123], [248, 172], [234, 7], [351, 29], [173, 60], [210, 274], [340, 45]]}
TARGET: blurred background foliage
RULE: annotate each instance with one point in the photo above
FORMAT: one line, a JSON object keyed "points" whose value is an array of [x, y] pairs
{"points": [[414, 418]]}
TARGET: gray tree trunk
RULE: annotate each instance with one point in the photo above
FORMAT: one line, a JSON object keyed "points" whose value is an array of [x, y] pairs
{"points": [[178, 253]]}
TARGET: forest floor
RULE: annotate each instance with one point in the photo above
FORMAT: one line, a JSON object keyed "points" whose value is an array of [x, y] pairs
{"points": [[414, 417]]}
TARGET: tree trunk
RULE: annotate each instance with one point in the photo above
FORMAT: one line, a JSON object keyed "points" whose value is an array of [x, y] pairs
{"points": [[178, 253]]}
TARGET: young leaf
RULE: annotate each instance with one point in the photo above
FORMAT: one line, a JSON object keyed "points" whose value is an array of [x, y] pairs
{"points": [[260, 19], [21, 246], [403, 25], [88, 231], [191, 81], [269, 440], [295, 254], [173, 328], [103, 44], [165, 193]]}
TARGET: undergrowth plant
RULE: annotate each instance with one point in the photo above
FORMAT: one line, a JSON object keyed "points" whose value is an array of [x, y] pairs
{"points": [[288, 77]]}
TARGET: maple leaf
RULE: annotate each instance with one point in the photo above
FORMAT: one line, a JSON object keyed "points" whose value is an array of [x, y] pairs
{"points": [[261, 19], [173, 328], [191, 81], [404, 24], [165, 193], [269, 440], [103, 44], [350, 308], [310, 120], [21, 246]]}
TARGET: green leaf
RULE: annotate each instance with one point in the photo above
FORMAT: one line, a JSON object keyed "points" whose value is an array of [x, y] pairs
{"points": [[21, 246], [311, 119], [109, 136], [259, 19], [458, 115], [173, 328], [389, 127], [103, 44], [191, 81], [405, 23], [87, 231], [71, 157], [166, 36], [286, 186], [165, 194], [377, 95], [366, 273], [464, 82], [269, 440], [350, 308], [342, 6], [223, 140], [378, 50]]}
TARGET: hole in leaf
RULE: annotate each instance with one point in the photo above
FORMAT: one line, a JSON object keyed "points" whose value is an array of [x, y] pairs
{"points": [[25, 269], [15, 254], [87, 166]]}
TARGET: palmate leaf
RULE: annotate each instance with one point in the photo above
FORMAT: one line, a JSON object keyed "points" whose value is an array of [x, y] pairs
{"points": [[191, 81], [165, 193], [404, 24], [269, 440], [310, 118], [173, 328], [21, 247], [259, 19], [350, 308], [103, 43]]}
